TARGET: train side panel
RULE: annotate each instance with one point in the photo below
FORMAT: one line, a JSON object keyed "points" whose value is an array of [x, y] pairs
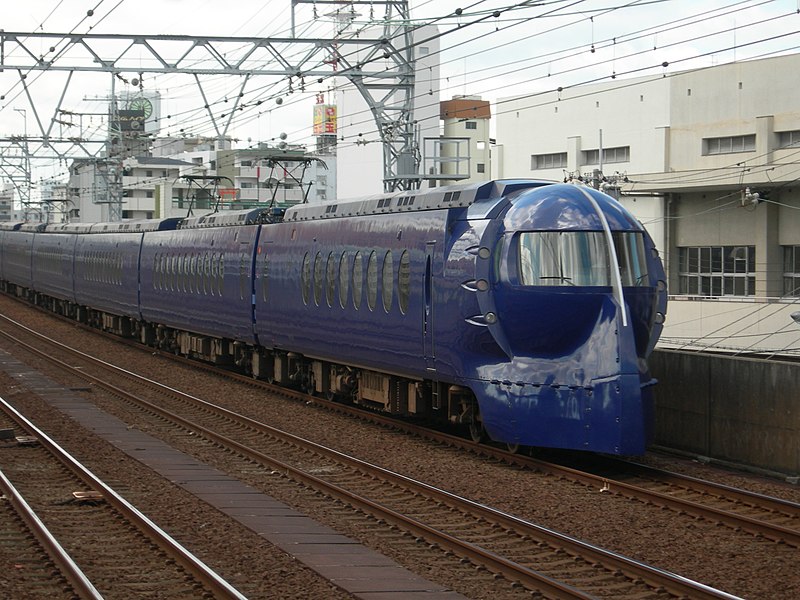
{"points": [[200, 280], [17, 259], [107, 272], [357, 290], [53, 265]]}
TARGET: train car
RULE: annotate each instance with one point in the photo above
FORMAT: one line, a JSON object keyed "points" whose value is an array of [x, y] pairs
{"points": [[17, 258], [4, 227], [53, 266], [197, 285], [523, 309], [107, 273]]}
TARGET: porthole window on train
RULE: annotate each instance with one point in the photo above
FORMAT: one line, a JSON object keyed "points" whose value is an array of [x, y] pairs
{"points": [[344, 280], [206, 273], [155, 271], [190, 275], [404, 281], [305, 278], [358, 280], [174, 261], [319, 277], [387, 281], [185, 284], [330, 280], [265, 278], [221, 274], [213, 274], [243, 278], [372, 280]]}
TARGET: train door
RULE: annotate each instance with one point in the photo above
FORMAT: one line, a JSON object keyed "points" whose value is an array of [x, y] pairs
{"points": [[427, 310]]}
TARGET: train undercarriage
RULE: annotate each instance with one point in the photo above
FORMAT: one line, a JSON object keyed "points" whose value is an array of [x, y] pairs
{"points": [[425, 399]]}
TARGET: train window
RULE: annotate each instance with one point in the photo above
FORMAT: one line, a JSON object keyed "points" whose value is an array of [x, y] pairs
{"points": [[265, 278], [243, 279], [631, 257], [305, 278], [387, 281], [221, 274], [213, 274], [564, 258], [185, 272], [330, 280], [175, 281], [319, 275], [155, 270], [358, 280], [372, 280], [344, 279], [404, 281], [206, 273], [190, 274]]}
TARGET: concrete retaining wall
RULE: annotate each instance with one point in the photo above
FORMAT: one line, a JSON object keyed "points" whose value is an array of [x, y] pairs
{"points": [[728, 408]]}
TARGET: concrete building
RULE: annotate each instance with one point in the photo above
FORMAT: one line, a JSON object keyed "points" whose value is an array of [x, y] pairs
{"points": [[464, 147], [707, 160]]}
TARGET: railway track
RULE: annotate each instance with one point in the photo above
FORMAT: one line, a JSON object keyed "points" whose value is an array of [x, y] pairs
{"points": [[527, 555], [99, 543]]}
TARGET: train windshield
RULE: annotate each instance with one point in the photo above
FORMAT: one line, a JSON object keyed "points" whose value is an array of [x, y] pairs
{"points": [[580, 258]]}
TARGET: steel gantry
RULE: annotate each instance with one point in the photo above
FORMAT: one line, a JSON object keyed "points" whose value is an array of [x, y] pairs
{"points": [[380, 67]]}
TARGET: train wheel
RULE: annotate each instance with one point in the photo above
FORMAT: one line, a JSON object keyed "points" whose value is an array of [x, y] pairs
{"points": [[476, 432]]}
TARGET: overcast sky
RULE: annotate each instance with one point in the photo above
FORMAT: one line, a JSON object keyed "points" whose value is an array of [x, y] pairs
{"points": [[528, 47]]}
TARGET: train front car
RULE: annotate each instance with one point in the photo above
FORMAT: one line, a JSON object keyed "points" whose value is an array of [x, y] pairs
{"points": [[571, 290]]}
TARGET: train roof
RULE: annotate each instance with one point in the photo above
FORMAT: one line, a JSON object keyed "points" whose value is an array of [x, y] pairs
{"points": [[10, 225], [35, 227], [136, 225], [251, 216], [453, 196]]}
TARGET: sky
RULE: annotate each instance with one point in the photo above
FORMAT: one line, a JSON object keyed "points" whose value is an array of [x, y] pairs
{"points": [[491, 48]]}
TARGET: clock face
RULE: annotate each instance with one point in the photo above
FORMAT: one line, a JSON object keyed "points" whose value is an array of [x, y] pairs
{"points": [[142, 104]]}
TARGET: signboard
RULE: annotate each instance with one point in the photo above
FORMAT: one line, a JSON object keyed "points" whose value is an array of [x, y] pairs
{"points": [[324, 119], [131, 121]]}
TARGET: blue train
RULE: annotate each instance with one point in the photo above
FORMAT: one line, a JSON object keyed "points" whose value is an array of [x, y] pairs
{"points": [[524, 310]]}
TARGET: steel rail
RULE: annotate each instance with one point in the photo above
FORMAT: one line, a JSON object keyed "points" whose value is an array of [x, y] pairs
{"points": [[71, 571], [658, 578], [220, 587]]}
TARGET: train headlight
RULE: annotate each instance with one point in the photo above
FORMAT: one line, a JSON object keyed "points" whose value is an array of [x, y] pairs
{"points": [[490, 318], [482, 285]]}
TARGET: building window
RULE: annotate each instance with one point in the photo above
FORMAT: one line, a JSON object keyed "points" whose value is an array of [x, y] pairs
{"points": [[729, 145], [791, 271], [714, 271], [619, 154], [556, 160], [471, 124], [480, 168], [789, 139], [148, 194]]}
